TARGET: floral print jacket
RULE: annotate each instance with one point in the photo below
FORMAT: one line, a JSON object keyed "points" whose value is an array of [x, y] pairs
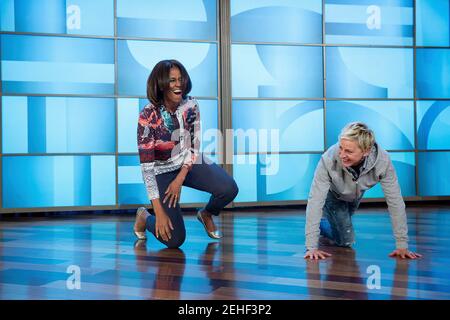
{"points": [[167, 141]]}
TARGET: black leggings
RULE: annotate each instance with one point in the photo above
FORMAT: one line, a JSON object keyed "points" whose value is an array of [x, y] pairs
{"points": [[204, 176]]}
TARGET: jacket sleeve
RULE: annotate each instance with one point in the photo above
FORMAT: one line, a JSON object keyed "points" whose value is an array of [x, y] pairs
{"points": [[396, 205], [193, 120], [316, 200], [146, 148]]}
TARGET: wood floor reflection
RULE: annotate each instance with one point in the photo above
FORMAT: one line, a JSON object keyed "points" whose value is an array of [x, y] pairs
{"points": [[260, 257]]}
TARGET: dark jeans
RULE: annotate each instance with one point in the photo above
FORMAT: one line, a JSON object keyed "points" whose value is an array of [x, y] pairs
{"points": [[337, 223], [205, 176]]}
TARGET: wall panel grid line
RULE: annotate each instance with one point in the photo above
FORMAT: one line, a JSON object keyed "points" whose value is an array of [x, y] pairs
{"points": [[229, 106]]}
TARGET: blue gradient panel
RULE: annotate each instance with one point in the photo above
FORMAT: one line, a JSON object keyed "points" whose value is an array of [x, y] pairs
{"points": [[293, 125], [433, 130], [276, 21], [58, 125], [377, 22], [85, 17], [391, 121], [404, 164], [434, 175], [433, 73], [132, 189], [128, 113], [56, 65], [14, 111], [136, 59], [432, 23], [369, 73], [272, 178], [50, 181], [209, 121], [270, 71], [176, 19]]}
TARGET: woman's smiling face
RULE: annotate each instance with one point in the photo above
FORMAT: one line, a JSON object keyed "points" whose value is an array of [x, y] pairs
{"points": [[174, 94], [350, 153]]}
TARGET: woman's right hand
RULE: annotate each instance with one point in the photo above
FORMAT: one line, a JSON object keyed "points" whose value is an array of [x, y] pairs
{"points": [[163, 225], [316, 254]]}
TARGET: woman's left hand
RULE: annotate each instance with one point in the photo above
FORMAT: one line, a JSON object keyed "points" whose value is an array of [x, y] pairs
{"points": [[405, 254], [173, 192]]}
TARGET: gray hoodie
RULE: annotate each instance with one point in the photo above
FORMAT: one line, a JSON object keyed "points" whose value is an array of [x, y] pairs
{"points": [[330, 174]]}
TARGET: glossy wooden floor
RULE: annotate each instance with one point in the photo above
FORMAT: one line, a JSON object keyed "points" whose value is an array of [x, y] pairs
{"points": [[260, 257]]}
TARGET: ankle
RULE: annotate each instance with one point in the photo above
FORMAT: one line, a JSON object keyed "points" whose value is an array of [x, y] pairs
{"points": [[206, 213]]}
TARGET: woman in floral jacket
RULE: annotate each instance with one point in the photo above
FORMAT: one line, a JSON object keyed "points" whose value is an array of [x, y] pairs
{"points": [[168, 139]]}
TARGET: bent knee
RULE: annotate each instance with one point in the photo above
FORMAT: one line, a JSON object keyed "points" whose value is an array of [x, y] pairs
{"points": [[175, 242], [229, 190]]}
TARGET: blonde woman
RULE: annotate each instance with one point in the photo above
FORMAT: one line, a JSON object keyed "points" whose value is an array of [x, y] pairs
{"points": [[345, 171]]}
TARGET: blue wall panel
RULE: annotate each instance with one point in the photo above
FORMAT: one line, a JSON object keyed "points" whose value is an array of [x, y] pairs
{"points": [[53, 181], [74, 73], [57, 65]]}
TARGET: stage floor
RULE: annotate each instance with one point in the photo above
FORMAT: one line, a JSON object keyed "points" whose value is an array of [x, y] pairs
{"points": [[260, 257]]}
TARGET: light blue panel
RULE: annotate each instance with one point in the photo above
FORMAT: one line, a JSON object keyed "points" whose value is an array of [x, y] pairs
{"points": [[433, 73], [391, 121], [130, 174], [136, 59], [266, 71], [128, 113], [49, 181], [57, 49], [372, 22], [433, 22], [82, 180], [103, 180], [27, 182], [404, 164], [189, 195], [14, 125], [58, 16], [75, 125], [246, 176], [275, 177], [433, 129], [177, 19], [209, 120], [30, 71], [434, 173], [47, 16], [296, 125], [94, 17], [37, 125], [369, 72], [57, 128], [276, 21], [131, 186], [92, 125], [63, 181], [40, 65], [7, 15]]}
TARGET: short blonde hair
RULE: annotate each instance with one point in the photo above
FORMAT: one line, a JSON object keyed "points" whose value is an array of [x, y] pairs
{"points": [[359, 132]]}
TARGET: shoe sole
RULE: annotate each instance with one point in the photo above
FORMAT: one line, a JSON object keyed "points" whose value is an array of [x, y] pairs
{"points": [[140, 234]]}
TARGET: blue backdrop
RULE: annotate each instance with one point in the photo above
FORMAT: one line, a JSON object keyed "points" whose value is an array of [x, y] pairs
{"points": [[73, 80]]}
